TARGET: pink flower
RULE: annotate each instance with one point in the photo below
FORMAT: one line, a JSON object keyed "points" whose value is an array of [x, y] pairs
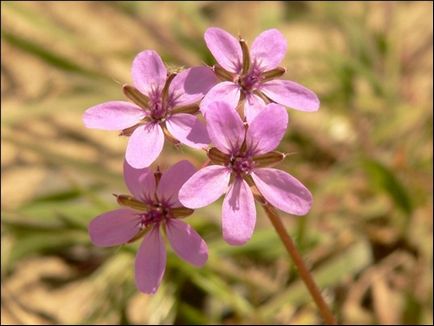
{"points": [[163, 107], [251, 75], [244, 154], [154, 205]]}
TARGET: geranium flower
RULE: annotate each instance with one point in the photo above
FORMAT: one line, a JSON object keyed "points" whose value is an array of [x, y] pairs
{"points": [[251, 75], [243, 154], [153, 206], [164, 104]]}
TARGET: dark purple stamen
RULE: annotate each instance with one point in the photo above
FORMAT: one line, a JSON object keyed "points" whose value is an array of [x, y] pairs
{"points": [[250, 81], [157, 214], [241, 164]]}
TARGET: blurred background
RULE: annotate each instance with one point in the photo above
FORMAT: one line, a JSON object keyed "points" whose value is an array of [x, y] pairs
{"points": [[366, 156]]}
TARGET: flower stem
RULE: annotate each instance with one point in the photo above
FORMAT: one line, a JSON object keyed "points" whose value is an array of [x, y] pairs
{"points": [[302, 269]]}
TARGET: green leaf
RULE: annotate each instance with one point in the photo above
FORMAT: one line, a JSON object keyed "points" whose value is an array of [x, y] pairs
{"points": [[384, 178]]}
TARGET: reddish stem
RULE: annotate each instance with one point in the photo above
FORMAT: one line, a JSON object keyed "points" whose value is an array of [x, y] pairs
{"points": [[306, 276]]}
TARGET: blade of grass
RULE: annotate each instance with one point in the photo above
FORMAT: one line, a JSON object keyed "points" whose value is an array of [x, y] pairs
{"points": [[48, 56]]}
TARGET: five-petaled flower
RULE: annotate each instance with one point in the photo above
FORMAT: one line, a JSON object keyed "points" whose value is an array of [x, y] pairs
{"points": [[164, 106], [153, 206], [244, 154], [250, 75]]}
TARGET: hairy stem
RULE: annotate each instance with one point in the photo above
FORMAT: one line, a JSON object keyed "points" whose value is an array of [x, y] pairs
{"points": [[306, 276]]}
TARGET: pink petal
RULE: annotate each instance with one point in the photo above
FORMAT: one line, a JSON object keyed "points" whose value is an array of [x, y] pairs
{"points": [[239, 213], [191, 85], [225, 48], [283, 191], [205, 186], [268, 49], [148, 71], [140, 182], [144, 146], [115, 115], [186, 242], [291, 94], [252, 106], [189, 130], [172, 180], [225, 92], [267, 129], [114, 228], [150, 262], [225, 128]]}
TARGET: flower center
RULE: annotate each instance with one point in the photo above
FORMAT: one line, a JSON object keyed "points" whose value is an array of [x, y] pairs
{"points": [[241, 164], [155, 215], [158, 112], [250, 81]]}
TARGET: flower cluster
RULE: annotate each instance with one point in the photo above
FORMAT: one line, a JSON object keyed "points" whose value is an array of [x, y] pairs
{"points": [[243, 105]]}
